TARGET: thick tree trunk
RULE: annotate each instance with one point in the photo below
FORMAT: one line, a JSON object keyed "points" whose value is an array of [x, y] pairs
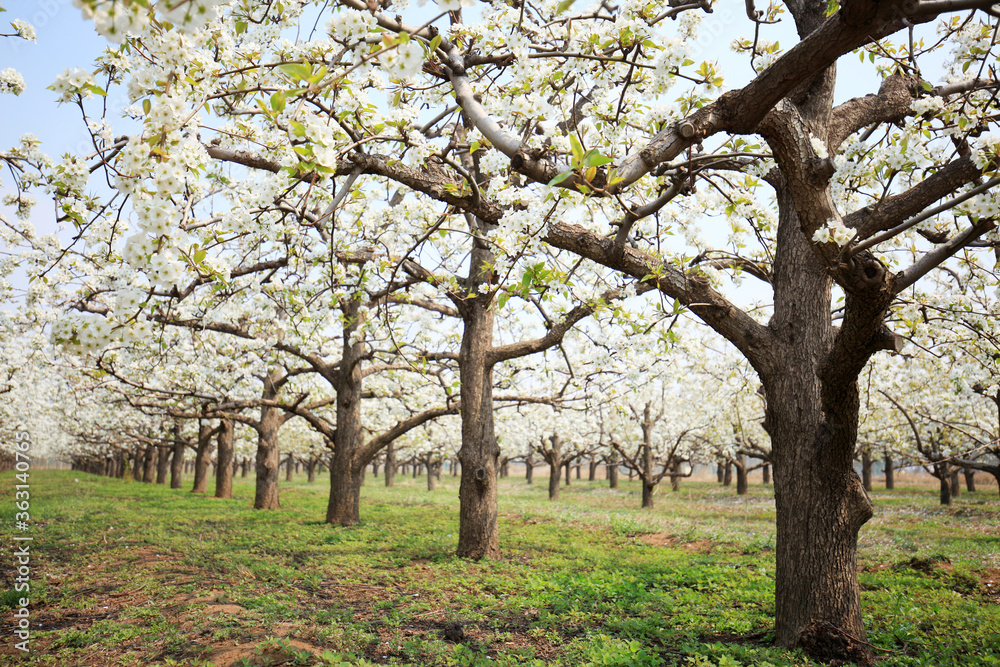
{"points": [[390, 465], [613, 474], [675, 477], [432, 478], [956, 484], [970, 479], [224, 461], [177, 459], [289, 467], [244, 465], [592, 472], [149, 464], [311, 469], [553, 456], [478, 533], [944, 479], [766, 472], [268, 456], [820, 501], [203, 458], [648, 489], [742, 485], [568, 468], [529, 468], [138, 462], [162, 463], [727, 474], [890, 477], [346, 468], [720, 471]]}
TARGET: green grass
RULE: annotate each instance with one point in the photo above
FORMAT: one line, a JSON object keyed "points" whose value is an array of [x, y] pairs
{"points": [[135, 574]]}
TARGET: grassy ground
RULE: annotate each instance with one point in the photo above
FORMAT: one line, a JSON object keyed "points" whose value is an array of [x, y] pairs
{"points": [[133, 574]]}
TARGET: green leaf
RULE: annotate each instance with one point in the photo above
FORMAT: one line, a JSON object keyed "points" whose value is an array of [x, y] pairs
{"points": [[241, 27], [560, 178], [435, 42], [297, 71], [199, 256], [577, 150], [146, 106], [278, 101], [474, 147], [593, 158], [564, 5]]}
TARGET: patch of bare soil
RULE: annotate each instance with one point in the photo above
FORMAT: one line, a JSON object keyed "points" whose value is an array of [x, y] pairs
{"points": [[130, 587], [702, 546], [991, 584]]}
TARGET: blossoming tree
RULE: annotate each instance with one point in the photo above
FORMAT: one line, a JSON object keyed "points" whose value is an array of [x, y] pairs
{"points": [[515, 123]]}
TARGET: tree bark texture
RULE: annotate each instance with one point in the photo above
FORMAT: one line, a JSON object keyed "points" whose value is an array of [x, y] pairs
{"points": [[177, 459], [224, 460], [203, 458], [162, 463], [268, 456]]}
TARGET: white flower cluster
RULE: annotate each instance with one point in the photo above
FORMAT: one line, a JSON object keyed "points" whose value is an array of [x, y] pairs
{"points": [[407, 59], [835, 231], [985, 150], [74, 174], [72, 82], [349, 25], [168, 112], [927, 105], [818, 146], [24, 30], [80, 333], [191, 15], [11, 81], [115, 19]]}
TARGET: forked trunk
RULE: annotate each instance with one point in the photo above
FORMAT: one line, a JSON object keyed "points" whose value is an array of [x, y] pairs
{"points": [[224, 461], [819, 499]]}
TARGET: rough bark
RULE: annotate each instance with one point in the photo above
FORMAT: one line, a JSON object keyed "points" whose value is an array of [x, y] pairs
{"points": [[149, 464], [970, 479], [177, 459], [268, 456], [162, 463], [390, 465], [742, 485], [224, 460], [553, 456], [956, 484], [203, 458], [346, 466], [478, 535]]}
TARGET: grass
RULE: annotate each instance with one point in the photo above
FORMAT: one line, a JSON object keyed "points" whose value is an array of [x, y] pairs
{"points": [[125, 573]]}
